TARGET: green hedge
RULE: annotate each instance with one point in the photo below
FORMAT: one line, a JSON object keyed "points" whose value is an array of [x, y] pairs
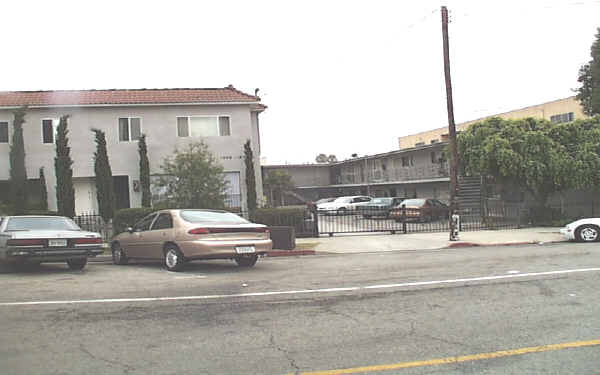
{"points": [[126, 217], [284, 217]]}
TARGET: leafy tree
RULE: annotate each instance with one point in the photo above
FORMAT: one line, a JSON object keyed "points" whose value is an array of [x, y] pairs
{"points": [[250, 177], [332, 159], [519, 152], [321, 158], [193, 178], [65, 193], [104, 179], [277, 182], [18, 173], [144, 171], [589, 76], [43, 191]]}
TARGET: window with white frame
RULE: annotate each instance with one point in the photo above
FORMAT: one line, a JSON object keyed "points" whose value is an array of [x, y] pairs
{"points": [[203, 126], [130, 129], [3, 132], [49, 127]]}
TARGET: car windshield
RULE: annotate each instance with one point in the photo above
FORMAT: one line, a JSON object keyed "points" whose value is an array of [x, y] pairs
{"points": [[414, 202], [382, 200], [40, 223], [198, 216], [343, 200]]}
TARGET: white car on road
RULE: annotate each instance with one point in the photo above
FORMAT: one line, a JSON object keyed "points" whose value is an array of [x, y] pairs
{"points": [[583, 230], [343, 205]]}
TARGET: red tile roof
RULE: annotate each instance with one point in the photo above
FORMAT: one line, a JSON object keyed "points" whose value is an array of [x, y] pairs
{"points": [[119, 97]]}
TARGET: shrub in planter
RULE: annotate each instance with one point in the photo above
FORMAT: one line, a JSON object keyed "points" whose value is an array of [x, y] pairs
{"points": [[126, 217]]}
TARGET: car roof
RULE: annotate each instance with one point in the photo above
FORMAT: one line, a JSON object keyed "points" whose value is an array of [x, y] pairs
{"points": [[9, 216]]}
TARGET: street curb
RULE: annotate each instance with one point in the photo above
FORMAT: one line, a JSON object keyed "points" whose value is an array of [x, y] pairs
{"points": [[474, 244], [273, 253]]}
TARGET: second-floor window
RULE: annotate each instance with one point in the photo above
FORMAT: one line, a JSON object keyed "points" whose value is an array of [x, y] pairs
{"points": [[203, 126], [130, 129], [408, 161], [49, 130], [563, 117], [3, 132]]}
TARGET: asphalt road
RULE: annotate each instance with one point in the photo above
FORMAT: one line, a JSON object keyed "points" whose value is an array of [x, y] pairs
{"points": [[312, 314]]}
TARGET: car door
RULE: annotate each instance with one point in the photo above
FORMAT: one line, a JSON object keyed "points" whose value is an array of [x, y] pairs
{"points": [[160, 232], [134, 246]]}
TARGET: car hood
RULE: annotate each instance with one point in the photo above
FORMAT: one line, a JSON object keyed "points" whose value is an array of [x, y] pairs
{"points": [[331, 205], [591, 220], [27, 234]]}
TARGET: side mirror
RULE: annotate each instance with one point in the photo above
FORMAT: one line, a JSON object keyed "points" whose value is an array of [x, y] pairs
{"points": [[130, 229]]}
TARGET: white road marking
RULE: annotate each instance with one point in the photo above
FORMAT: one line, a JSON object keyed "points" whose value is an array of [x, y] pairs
{"points": [[190, 277], [301, 291], [512, 272]]}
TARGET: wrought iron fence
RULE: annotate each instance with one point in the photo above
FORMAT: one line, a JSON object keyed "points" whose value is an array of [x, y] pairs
{"points": [[94, 223]]}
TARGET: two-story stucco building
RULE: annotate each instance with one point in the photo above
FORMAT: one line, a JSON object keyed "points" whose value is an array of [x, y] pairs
{"points": [[223, 118]]}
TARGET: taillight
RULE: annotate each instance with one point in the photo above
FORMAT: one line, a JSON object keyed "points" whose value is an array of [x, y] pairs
{"points": [[199, 231], [228, 230], [25, 243], [87, 241]]}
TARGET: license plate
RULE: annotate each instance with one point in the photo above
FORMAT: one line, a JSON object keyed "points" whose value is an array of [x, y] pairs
{"points": [[57, 243], [244, 249]]}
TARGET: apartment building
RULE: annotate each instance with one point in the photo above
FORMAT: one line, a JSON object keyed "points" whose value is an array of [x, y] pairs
{"points": [[557, 111], [223, 118]]}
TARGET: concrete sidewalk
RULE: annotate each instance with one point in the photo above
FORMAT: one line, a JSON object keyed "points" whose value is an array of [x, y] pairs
{"points": [[358, 243]]}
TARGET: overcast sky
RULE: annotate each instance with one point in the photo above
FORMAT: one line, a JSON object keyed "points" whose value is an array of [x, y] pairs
{"points": [[339, 77]]}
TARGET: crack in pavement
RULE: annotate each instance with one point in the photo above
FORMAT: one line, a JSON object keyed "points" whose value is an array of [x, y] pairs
{"points": [[126, 368], [285, 353]]}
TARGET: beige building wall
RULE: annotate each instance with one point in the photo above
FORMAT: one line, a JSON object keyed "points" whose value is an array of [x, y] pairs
{"points": [[544, 110]]}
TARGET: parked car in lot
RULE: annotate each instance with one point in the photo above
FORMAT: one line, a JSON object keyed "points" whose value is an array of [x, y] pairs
{"points": [[343, 205], [421, 210], [583, 230], [179, 236], [379, 207], [38, 239]]}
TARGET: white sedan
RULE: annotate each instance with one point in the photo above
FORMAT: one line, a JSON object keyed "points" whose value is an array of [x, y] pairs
{"points": [[40, 239], [583, 230], [343, 205]]}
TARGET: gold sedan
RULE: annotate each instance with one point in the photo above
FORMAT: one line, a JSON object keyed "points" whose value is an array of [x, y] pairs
{"points": [[179, 236]]}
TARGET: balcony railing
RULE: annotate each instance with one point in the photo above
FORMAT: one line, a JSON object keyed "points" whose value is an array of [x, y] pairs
{"points": [[397, 174]]}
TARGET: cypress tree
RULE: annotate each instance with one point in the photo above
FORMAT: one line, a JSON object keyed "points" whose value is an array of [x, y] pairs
{"points": [[43, 191], [104, 180], [18, 173], [144, 171], [250, 177], [65, 193]]}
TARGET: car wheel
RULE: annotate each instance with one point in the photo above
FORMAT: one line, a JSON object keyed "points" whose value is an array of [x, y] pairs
{"points": [[342, 211], [118, 254], [174, 259], [246, 261], [587, 233], [77, 264], [367, 216]]}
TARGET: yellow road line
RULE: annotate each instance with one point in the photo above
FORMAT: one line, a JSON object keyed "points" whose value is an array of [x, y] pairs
{"points": [[464, 358]]}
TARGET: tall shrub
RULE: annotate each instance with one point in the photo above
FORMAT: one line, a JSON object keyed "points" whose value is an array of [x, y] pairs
{"points": [[65, 193], [18, 173], [104, 180], [250, 177], [43, 191], [144, 171]]}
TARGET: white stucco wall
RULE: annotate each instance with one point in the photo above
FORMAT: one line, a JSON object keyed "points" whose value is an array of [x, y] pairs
{"points": [[159, 123]]}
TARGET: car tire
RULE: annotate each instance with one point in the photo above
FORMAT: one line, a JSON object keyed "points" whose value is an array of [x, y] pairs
{"points": [[77, 264], [587, 233], [174, 259], [342, 211], [118, 254], [246, 262]]}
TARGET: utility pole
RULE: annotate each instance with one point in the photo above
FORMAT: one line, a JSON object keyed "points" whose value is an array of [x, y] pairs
{"points": [[451, 128]]}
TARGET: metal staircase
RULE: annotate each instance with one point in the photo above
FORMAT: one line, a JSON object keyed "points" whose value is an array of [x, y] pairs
{"points": [[469, 195]]}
